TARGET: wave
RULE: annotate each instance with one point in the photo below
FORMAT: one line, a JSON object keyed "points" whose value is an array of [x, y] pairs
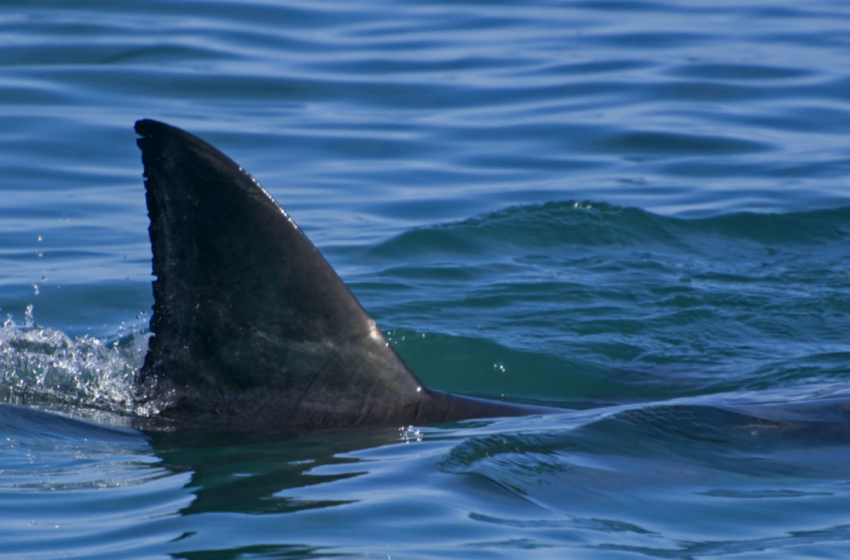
{"points": [[583, 225], [710, 434]]}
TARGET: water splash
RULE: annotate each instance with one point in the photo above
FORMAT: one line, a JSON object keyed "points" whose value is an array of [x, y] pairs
{"points": [[40, 365]]}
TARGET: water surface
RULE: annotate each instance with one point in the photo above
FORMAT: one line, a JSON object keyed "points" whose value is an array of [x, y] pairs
{"points": [[636, 211]]}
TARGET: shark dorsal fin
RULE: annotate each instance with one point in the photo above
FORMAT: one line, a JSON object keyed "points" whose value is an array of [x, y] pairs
{"points": [[251, 325]]}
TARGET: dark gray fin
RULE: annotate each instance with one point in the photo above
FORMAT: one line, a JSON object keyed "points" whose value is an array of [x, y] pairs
{"points": [[252, 328]]}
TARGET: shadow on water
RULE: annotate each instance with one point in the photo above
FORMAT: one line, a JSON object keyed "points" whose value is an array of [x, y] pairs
{"points": [[247, 473]]}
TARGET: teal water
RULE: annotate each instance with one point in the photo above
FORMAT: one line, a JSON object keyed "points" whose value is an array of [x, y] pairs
{"points": [[636, 211]]}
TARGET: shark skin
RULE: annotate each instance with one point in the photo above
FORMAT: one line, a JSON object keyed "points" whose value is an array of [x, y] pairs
{"points": [[252, 329]]}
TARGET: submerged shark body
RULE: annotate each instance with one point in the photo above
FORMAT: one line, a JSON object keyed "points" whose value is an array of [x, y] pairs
{"points": [[252, 328]]}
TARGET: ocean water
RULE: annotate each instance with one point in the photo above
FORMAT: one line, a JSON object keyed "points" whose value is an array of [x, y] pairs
{"points": [[636, 211]]}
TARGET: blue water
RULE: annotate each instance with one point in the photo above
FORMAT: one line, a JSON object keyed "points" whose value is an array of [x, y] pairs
{"points": [[636, 211]]}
